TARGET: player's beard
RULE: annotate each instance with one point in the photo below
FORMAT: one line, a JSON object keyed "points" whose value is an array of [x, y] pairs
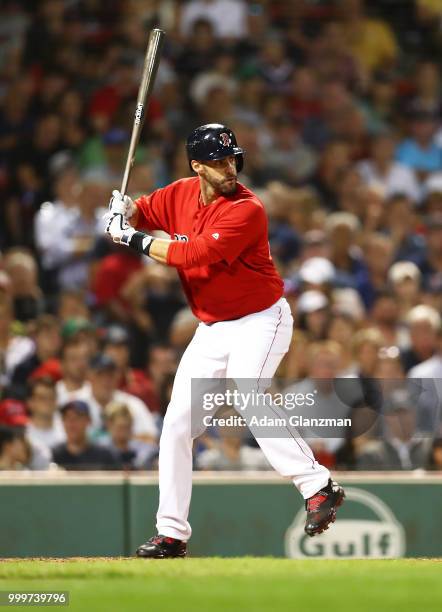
{"points": [[225, 186]]}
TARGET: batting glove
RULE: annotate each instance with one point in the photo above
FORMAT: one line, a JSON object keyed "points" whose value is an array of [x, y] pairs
{"points": [[123, 233], [119, 229], [120, 204]]}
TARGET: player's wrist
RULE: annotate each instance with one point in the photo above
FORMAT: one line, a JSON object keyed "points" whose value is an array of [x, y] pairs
{"points": [[140, 242]]}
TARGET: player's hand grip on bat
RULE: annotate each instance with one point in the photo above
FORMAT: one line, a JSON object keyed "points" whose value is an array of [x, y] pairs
{"points": [[120, 204], [122, 233]]}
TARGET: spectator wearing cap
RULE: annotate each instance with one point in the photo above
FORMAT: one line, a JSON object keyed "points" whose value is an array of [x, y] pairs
{"points": [[404, 278], [420, 151], [317, 273], [424, 326], [45, 425], [313, 314], [402, 447], [32, 454], [78, 453], [101, 388], [381, 170], [116, 345], [75, 356], [130, 453], [47, 346]]}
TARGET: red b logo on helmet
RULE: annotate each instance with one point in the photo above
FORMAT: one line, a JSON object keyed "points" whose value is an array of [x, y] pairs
{"points": [[225, 139]]}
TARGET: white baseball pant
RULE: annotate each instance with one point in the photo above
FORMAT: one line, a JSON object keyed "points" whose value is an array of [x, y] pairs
{"points": [[248, 348]]}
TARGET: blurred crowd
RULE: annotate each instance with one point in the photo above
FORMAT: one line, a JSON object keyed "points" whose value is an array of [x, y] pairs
{"points": [[338, 104]]}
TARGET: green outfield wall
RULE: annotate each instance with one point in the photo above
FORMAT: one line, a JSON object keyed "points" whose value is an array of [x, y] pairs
{"points": [[385, 515]]}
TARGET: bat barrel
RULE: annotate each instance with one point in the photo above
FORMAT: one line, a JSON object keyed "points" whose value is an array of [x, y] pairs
{"points": [[151, 63]]}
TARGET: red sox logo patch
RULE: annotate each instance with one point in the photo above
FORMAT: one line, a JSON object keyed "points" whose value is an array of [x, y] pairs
{"points": [[225, 139]]}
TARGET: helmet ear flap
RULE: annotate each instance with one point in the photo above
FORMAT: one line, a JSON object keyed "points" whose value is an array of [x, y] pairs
{"points": [[239, 159]]}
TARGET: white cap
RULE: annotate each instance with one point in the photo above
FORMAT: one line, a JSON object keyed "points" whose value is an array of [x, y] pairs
{"points": [[317, 270], [347, 301], [310, 301], [433, 184], [402, 270]]}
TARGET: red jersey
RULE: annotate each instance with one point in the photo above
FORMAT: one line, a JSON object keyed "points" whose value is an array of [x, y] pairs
{"points": [[221, 250]]}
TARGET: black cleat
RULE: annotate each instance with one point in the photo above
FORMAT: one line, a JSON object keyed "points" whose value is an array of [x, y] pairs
{"points": [[321, 508], [162, 547]]}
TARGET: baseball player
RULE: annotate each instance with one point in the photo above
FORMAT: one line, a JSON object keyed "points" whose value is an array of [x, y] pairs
{"points": [[219, 245]]}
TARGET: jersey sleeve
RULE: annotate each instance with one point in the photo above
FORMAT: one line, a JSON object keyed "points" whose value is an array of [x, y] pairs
{"points": [[225, 239], [154, 210]]}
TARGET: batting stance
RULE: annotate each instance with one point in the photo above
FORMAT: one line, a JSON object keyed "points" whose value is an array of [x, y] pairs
{"points": [[220, 247]]}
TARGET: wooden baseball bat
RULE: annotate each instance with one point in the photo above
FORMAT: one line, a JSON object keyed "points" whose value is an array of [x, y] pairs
{"points": [[151, 62]]}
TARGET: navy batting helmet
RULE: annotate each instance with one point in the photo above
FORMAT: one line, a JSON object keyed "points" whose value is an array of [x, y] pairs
{"points": [[214, 141]]}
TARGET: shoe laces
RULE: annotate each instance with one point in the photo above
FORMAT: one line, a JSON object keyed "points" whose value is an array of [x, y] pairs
{"points": [[159, 539], [314, 503]]}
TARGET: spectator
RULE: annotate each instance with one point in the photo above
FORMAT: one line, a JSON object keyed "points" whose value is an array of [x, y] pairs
{"points": [[23, 453], [341, 329], [313, 314], [14, 348], [83, 230], [371, 41], [288, 158], [424, 325], [47, 345], [404, 278], [78, 453], [420, 151], [342, 230], [402, 448], [379, 251], [128, 452], [427, 87], [324, 365], [430, 264], [13, 451], [21, 267], [101, 388], [45, 425], [382, 170], [116, 345], [227, 17], [400, 223], [435, 459], [385, 318], [56, 247], [75, 356]]}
